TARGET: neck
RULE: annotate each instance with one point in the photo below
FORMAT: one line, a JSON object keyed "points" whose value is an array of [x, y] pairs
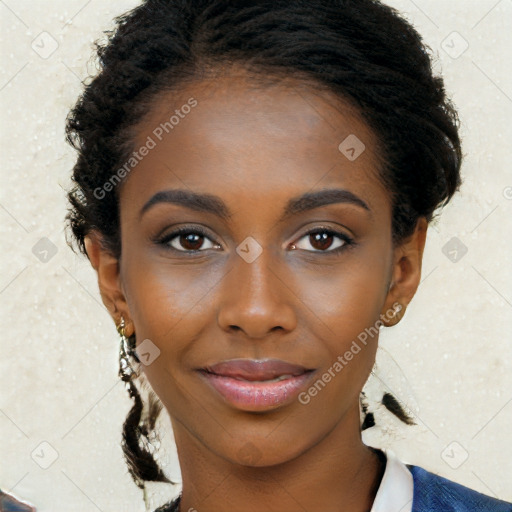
{"points": [[338, 473]]}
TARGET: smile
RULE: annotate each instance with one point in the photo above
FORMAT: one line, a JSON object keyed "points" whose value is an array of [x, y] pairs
{"points": [[257, 395]]}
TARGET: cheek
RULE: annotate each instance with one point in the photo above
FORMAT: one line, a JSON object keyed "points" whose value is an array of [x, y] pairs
{"points": [[162, 296], [350, 296], [169, 306], [343, 312], [344, 320]]}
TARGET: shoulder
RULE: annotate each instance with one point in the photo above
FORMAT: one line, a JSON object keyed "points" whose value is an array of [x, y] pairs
{"points": [[433, 493]]}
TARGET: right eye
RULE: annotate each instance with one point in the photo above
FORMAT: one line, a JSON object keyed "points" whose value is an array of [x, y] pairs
{"points": [[187, 240]]}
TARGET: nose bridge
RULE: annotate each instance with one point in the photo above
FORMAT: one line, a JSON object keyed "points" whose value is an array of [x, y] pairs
{"points": [[255, 300], [259, 278]]}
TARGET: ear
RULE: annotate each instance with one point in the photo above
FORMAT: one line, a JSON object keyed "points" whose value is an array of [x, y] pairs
{"points": [[109, 282], [405, 274]]}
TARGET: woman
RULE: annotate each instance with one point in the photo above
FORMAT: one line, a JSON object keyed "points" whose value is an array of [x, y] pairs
{"points": [[254, 184]]}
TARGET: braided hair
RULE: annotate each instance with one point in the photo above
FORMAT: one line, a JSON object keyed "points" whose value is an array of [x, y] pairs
{"points": [[362, 51]]}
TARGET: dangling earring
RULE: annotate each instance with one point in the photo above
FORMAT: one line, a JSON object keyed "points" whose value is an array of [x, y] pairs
{"points": [[126, 372]]}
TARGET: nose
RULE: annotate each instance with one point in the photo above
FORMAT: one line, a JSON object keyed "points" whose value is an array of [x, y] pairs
{"points": [[256, 299]]}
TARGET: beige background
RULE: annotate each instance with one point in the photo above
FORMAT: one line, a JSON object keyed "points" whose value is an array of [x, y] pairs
{"points": [[450, 359]]}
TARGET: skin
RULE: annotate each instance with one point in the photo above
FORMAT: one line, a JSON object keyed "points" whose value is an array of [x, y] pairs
{"points": [[256, 148]]}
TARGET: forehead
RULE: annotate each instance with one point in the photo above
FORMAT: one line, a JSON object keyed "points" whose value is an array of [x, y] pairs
{"points": [[230, 135]]}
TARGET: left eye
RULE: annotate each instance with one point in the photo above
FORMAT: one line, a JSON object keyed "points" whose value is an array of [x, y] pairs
{"points": [[324, 240]]}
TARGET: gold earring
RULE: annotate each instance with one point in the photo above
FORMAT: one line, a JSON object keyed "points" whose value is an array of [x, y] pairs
{"points": [[392, 317], [126, 372], [120, 327], [398, 312]]}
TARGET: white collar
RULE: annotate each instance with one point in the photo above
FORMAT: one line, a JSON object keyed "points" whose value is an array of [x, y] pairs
{"points": [[396, 489]]}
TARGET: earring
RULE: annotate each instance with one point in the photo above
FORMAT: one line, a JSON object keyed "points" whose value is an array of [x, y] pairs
{"points": [[126, 372], [398, 312], [392, 316]]}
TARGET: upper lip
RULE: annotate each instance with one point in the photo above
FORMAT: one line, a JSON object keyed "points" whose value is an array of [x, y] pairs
{"points": [[255, 369]]}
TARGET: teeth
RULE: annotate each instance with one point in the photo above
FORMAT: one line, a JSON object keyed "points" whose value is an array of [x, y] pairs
{"points": [[277, 379], [282, 377]]}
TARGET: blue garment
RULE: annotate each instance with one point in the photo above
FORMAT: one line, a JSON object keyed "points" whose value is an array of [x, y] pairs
{"points": [[433, 493]]}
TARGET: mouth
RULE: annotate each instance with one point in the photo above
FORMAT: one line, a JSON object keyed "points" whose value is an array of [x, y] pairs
{"points": [[256, 385], [276, 379], [257, 369]]}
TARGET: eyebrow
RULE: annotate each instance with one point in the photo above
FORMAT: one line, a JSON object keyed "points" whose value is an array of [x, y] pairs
{"points": [[209, 203]]}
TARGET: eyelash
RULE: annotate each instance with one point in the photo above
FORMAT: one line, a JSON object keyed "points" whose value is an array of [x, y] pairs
{"points": [[164, 241]]}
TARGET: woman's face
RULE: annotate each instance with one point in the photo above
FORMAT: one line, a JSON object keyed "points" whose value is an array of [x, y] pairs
{"points": [[287, 254]]}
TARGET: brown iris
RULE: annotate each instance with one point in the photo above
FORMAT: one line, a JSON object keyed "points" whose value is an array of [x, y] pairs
{"points": [[323, 239], [191, 241]]}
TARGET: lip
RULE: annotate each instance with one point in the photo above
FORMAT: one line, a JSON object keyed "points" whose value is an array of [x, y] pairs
{"points": [[255, 369], [249, 384]]}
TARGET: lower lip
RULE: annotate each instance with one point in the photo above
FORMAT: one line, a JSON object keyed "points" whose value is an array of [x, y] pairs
{"points": [[257, 395]]}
